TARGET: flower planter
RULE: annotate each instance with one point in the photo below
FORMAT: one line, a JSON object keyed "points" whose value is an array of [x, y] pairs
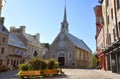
{"points": [[28, 74], [50, 72]]}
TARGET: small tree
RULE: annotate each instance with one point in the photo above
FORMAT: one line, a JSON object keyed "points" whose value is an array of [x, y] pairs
{"points": [[94, 59]]}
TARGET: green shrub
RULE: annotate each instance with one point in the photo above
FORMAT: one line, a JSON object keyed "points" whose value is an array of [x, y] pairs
{"points": [[53, 64], [44, 64], [24, 67], [35, 63], [56, 65], [39, 64]]}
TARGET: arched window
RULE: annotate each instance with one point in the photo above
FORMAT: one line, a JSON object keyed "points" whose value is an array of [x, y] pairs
{"points": [[69, 56], [2, 50]]}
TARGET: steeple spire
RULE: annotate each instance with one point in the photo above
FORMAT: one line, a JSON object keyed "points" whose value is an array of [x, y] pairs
{"points": [[65, 16], [64, 24]]}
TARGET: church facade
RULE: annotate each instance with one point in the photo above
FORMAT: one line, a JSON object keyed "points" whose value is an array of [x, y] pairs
{"points": [[68, 50]]}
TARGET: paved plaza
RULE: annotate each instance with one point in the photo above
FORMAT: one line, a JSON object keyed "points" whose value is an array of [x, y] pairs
{"points": [[71, 74]]}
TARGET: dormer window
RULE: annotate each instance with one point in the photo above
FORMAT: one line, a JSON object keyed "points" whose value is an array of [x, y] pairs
{"points": [[3, 29]]}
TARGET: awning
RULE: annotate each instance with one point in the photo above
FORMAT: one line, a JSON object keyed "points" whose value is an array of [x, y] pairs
{"points": [[116, 44]]}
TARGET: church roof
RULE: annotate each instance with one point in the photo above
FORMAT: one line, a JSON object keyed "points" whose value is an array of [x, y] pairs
{"points": [[78, 42]]}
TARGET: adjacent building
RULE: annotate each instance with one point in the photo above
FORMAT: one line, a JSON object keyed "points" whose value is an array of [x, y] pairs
{"points": [[17, 46], [111, 27], [100, 42], [69, 50], [34, 47], [4, 33], [16, 51]]}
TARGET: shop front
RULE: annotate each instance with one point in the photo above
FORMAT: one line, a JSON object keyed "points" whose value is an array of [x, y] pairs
{"points": [[113, 57]]}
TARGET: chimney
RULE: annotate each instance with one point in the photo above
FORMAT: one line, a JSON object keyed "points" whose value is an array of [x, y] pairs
{"points": [[12, 29], [37, 36], [22, 28], [2, 20]]}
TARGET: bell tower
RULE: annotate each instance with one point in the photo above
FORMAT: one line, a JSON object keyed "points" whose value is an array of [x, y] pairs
{"points": [[64, 24]]}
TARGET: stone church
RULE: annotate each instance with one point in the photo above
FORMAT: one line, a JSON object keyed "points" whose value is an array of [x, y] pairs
{"points": [[68, 50]]}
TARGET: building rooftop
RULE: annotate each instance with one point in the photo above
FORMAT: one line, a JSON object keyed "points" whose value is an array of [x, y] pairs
{"points": [[3, 29], [15, 41], [78, 42]]}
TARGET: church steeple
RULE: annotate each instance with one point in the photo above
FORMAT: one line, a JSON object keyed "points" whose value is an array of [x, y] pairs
{"points": [[64, 24]]}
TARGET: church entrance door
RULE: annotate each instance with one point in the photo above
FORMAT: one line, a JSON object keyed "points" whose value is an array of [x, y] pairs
{"points": [[61, 61]]}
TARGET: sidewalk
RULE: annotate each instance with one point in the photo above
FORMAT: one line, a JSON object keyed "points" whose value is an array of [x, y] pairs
{"points": [[109, 74]]}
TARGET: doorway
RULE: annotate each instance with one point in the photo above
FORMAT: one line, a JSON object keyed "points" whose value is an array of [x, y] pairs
{"points": [[61, 60]]}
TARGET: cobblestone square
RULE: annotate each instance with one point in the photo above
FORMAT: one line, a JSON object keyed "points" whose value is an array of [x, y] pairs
{"points": [[71, 74]]}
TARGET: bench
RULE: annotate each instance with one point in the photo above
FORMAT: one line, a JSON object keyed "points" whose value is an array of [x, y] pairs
{"points": [[29, 74]]}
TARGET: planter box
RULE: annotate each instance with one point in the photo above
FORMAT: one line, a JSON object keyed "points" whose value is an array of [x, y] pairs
{"points": [[29, 73], [50, 72]]}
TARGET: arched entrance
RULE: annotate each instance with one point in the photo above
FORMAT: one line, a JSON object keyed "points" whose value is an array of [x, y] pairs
{"points": [[61, 59]]}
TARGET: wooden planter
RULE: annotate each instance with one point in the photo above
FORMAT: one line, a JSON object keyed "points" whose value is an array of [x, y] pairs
{"points": [[28, 74], [50, 72], [37, 73]]}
